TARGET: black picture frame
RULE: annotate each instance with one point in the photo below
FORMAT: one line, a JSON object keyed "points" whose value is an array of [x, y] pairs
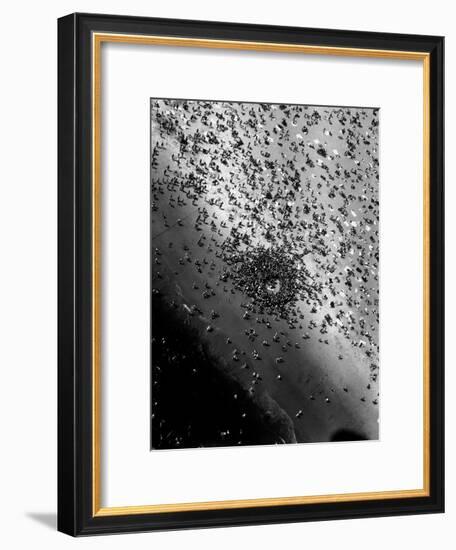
{"points": [[75, 273]]}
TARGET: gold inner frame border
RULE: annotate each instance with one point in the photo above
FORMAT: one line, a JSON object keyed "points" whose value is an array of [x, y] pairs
{"points": [[97, 40]]}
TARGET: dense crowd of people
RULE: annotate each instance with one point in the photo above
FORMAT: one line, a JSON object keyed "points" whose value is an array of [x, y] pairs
{"points": [[285, 198]]}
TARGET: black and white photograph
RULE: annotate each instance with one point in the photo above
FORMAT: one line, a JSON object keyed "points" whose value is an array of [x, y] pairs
{"points": [[264, 273]]}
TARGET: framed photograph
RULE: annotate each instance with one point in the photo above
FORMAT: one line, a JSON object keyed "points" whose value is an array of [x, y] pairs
{"points": [[250, 274]]}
